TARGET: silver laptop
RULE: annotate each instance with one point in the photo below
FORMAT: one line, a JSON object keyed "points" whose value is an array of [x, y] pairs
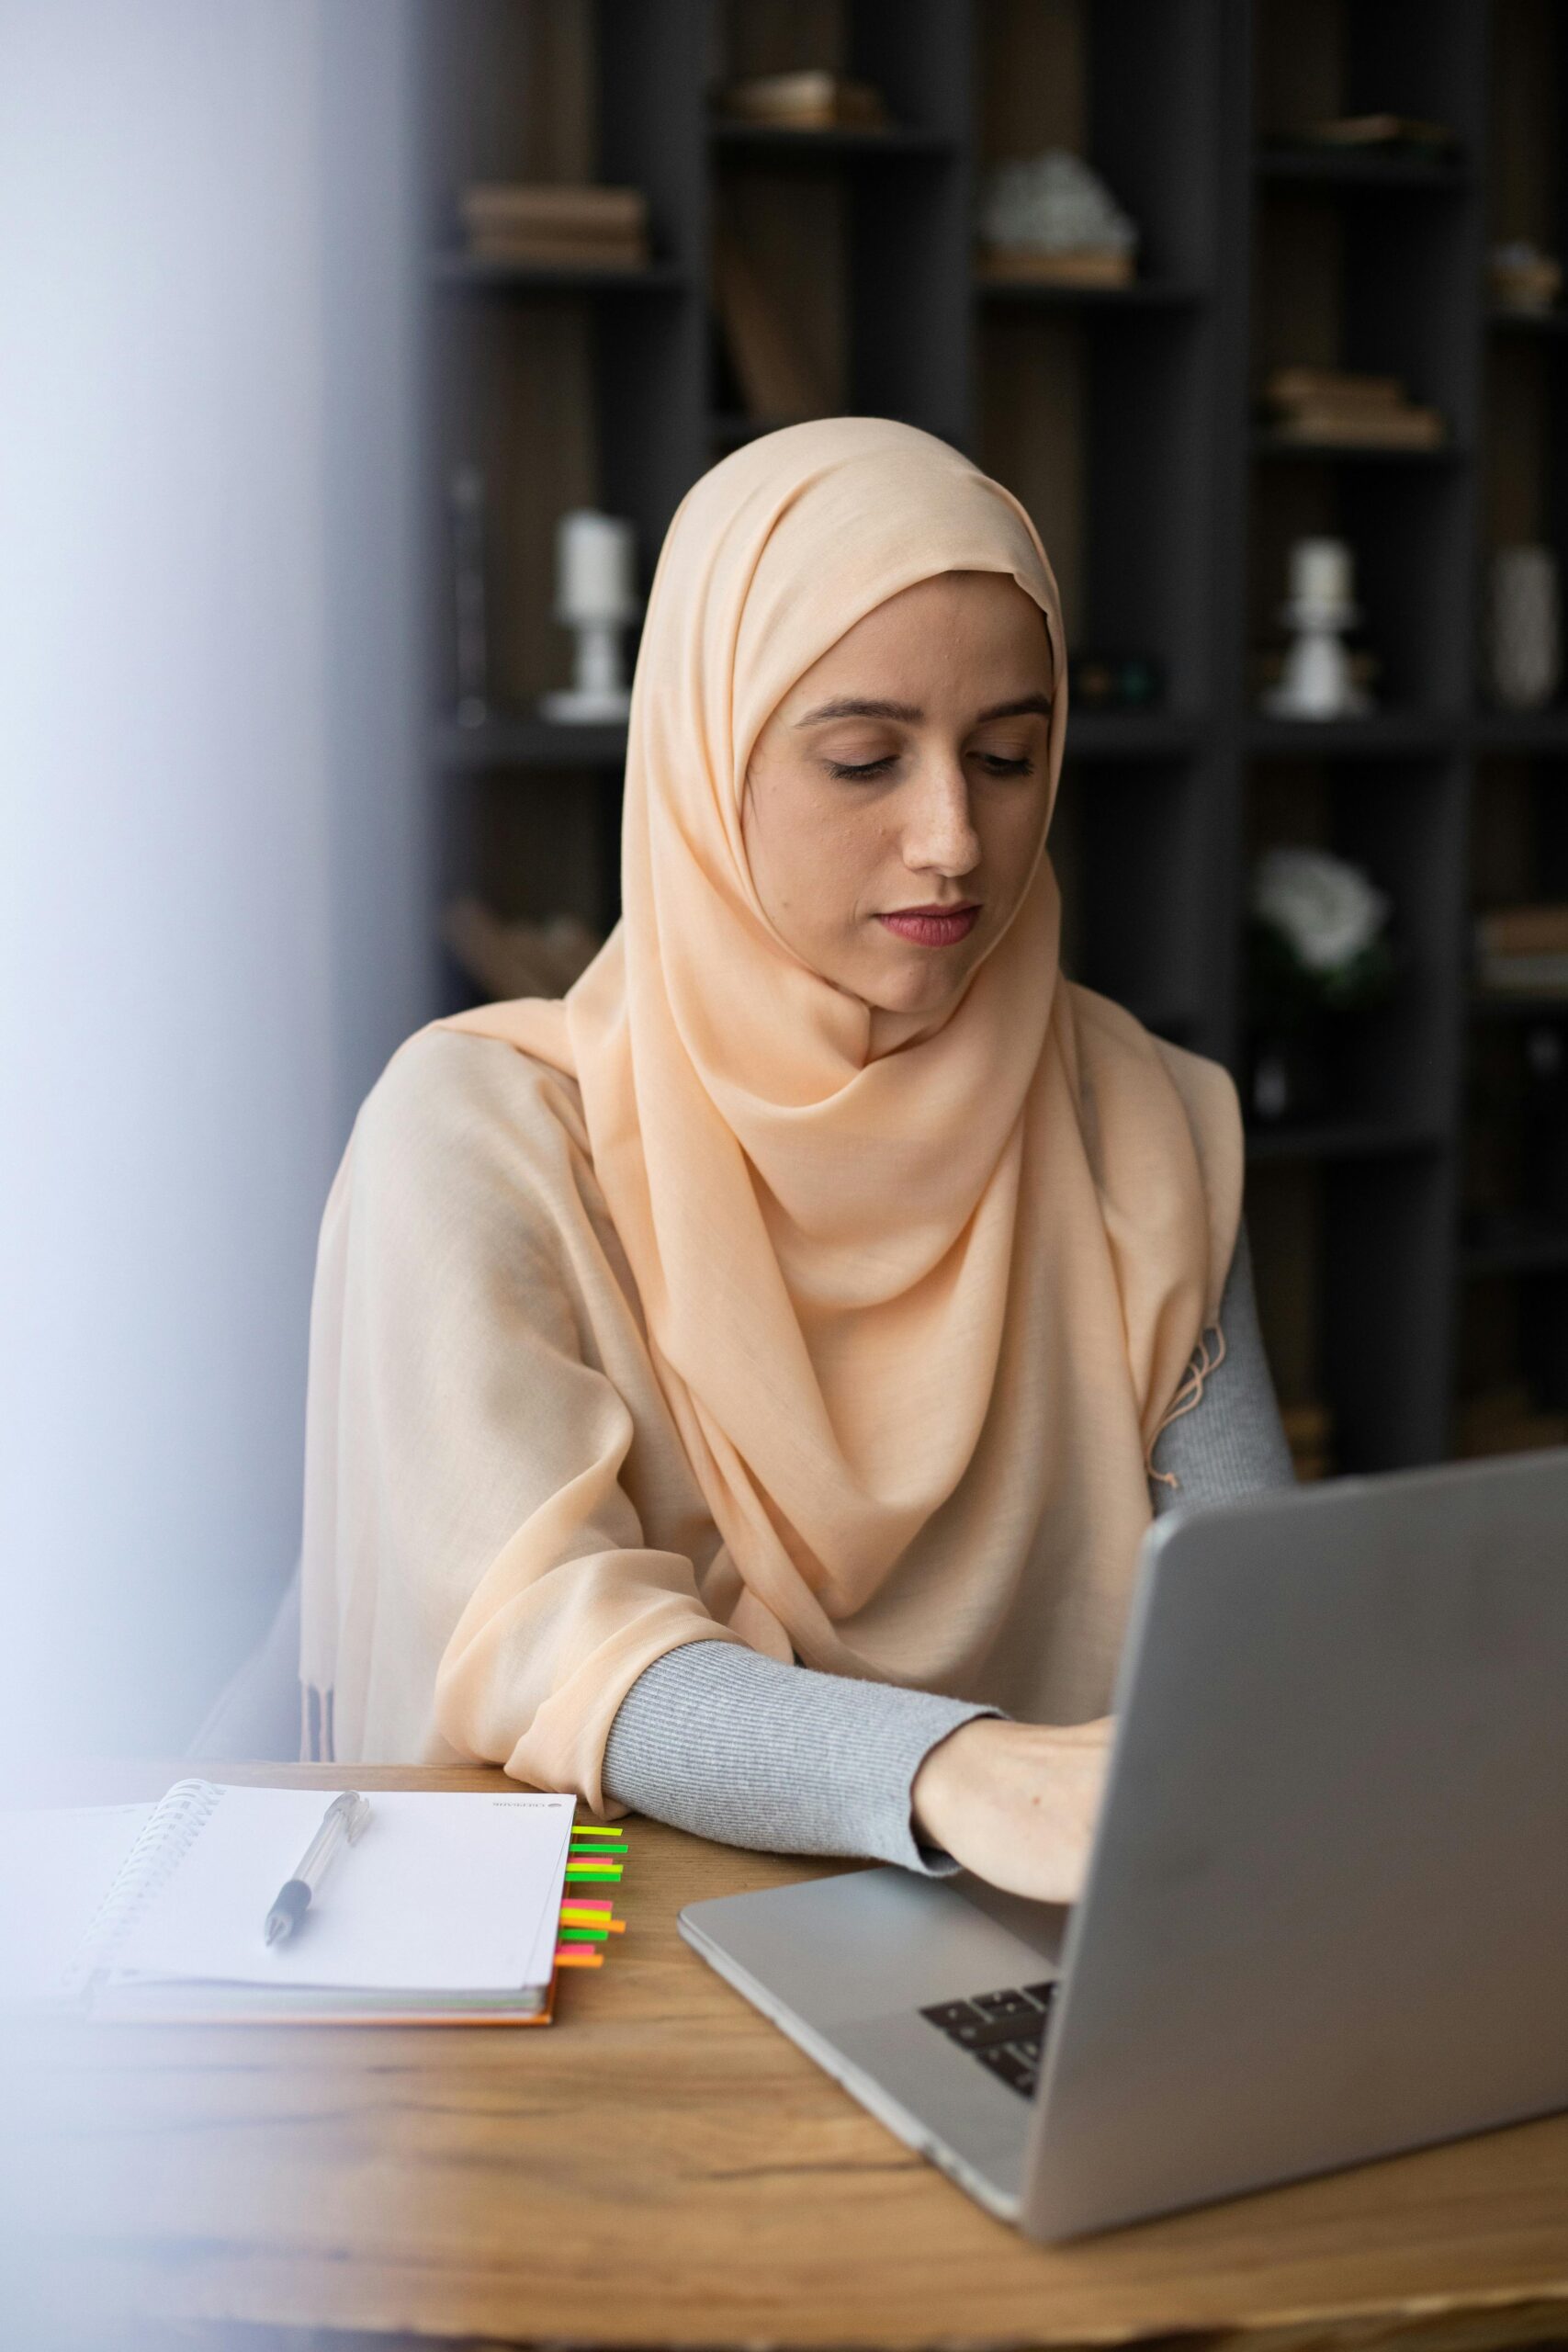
{"points": [[1327, 1912]]}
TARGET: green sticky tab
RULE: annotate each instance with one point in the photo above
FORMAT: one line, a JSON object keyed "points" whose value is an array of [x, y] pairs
{"points": [[584, 1935], [588, 1852]]}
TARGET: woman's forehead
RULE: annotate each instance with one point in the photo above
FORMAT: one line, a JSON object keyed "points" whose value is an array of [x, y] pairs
{"points": [[964, 632]]}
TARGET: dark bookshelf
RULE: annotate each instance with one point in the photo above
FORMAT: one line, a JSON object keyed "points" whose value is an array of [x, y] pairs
{"points": [[1125, 418]]}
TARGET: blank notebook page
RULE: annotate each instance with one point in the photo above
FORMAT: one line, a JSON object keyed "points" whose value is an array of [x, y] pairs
{"points": [[56, 1868], [442, 1893]]}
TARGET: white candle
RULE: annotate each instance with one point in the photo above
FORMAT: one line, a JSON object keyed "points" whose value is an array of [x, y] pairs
{"points": [[595, 559], [1321, 573]]}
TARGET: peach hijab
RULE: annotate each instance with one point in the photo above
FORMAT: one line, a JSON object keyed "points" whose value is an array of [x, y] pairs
{"points": [[920, 1302]]}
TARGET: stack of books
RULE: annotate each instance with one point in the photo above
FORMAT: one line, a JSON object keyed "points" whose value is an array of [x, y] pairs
{"points": [[808, 101], [1309, 1431], [1385, 134], [1335, 409], [556, 227], [1523, 951]]}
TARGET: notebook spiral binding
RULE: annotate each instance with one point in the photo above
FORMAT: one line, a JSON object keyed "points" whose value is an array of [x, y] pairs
{"points": [[180, 1817]]}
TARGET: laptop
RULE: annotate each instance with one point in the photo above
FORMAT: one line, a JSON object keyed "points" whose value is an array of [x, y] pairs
{"points": [[1325, 1916]]}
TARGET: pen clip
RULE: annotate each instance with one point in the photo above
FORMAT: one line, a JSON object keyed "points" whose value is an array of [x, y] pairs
{"points": [[355, 1812]]}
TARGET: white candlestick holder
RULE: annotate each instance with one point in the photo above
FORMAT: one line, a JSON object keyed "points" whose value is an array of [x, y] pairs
{"points": [[594, 559], [1317, 681], [598, 691]]}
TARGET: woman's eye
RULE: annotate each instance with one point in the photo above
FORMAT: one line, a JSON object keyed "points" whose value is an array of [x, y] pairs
{"points": [[860, 770], [997, 764]]}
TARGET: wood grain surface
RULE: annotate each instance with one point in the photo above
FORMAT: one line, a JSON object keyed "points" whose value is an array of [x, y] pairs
{"points": [[662, 2167]]}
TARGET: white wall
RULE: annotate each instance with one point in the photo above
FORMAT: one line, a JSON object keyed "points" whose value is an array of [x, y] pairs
{"points": [[213, 920]]}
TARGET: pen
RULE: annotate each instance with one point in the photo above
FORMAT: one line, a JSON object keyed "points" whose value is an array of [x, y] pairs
{"points": [[342, 1824]]}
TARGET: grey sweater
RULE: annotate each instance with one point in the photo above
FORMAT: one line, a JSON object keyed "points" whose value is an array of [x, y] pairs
{"points": [[732, 1746]]}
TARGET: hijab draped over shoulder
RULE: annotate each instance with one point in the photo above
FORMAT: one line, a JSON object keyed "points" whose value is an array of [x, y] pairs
{"points": [[918, 1298]]}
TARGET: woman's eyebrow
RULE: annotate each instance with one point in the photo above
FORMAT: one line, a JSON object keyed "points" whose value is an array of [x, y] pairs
{"points": [[910, 714], [1021, 708], [848, 708]]}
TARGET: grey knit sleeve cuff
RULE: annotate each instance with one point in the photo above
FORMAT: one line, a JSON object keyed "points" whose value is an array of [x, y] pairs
{"points": [[713, 1738]]}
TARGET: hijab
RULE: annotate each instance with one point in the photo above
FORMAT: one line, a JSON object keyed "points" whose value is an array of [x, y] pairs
{"points": [[920, 1298]]}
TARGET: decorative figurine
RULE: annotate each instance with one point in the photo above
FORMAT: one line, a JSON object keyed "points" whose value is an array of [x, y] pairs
{"points": [[1317, 681], [595, 559], [1051, 217], [468, 505], [1525, 628]]}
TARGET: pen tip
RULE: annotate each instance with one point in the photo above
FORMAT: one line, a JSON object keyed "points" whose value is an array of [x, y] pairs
{"points": [[276, 1926]]}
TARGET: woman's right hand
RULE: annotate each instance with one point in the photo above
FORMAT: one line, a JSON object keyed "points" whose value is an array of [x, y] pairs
{"points": [[1015, 1802]]}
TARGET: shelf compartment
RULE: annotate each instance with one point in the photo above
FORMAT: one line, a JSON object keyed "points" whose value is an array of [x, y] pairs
{"points": [[1408, 525], [1344, 1244]]}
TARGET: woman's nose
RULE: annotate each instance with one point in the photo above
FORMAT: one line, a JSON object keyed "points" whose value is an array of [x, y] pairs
{"points": [[939, 835]]}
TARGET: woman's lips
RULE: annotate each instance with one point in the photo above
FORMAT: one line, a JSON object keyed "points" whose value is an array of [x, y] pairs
{"points": [[933, 926]]}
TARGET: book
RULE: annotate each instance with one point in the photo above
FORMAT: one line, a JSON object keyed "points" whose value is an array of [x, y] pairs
{"points": [[1523, 930], [560, 208], [560, 226], [1288, 387], [447, 1909], [809, 101], [1361, 425], [1380, 131]]}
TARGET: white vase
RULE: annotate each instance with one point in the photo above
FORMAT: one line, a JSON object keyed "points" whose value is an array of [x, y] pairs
{"points": [[1524, 634]]}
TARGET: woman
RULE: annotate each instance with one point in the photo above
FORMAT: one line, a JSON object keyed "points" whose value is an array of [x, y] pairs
{"points": [[735, 1390]]}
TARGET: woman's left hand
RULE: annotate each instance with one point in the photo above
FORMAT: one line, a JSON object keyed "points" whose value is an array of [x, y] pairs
{"points": [[1017, 1802]]}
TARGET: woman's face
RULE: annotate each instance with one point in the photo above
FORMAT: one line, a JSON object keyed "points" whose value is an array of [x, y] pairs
{"points": [[897, 798]]}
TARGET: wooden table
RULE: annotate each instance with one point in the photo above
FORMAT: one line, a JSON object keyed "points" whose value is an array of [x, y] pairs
{"points": [[662, 2167]]}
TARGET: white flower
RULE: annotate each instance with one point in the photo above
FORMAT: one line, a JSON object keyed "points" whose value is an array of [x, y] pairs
{"points": [[1326, 911]]}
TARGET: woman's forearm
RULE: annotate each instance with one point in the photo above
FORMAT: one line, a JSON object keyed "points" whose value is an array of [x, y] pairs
{"points": [[731, 1746]]}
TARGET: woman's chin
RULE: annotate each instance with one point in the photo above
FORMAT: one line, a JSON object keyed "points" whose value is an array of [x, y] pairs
{"points": [[922, 981]]}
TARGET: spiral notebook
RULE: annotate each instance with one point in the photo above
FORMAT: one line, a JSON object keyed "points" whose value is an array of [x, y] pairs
{"points": [[446, 1910]]}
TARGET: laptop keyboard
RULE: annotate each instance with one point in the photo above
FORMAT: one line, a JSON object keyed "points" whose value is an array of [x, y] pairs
{"points": [[1004, 2030]]}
